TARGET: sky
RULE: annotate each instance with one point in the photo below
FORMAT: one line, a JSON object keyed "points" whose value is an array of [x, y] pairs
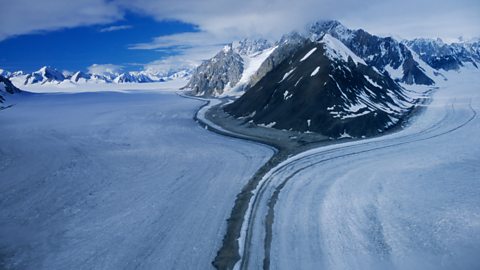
{"points": [[163, 34]]}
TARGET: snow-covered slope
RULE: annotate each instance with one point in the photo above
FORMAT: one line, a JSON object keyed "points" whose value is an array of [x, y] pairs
{"points": [[49, 76], [384, 53], [6, 90], [115, 181], [230, 70], [409, 200], [324, 87], [440, 55]]}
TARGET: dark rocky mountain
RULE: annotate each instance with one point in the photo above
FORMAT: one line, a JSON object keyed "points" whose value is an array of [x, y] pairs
{"points": [[6, 88], [285, 47], [440, 55], [324, 87], [384, 53]]}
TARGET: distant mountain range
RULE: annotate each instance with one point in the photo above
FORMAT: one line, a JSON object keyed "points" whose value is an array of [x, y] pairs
{"points": [[328, 79], [49, 75]]}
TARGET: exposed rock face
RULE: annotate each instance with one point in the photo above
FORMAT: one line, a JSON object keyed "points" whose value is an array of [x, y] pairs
{"points": [[250, 46], [440, 55], [78, 76], [288, 45], [382, 53], [324, 87], [6, 88], [214, 75]]}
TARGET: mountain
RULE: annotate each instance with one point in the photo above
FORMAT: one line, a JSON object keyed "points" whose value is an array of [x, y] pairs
{"points": [[50, 75], [230, 70], [44, 75], [220, 74], [213, 76], [6, 88], [80, 77], [133, 77], [5, 73], [440, 55], [324, 87], [384, 53]]}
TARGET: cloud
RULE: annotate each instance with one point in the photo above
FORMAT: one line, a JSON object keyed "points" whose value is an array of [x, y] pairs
{"points": [[25, 16], [115, 28], [221, 21], [184, 59], [271, 18], [105, 68]]}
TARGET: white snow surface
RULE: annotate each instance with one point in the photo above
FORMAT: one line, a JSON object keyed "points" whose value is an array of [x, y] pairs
{"points": [[408, 200], [70, 87], [115, 180], [335, 49], [251, 64], [372, 82], [317, 69], [308, 54], [288, 73], [395, 74]]}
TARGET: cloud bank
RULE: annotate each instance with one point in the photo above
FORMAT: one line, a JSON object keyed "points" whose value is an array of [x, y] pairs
{"points": [[104, 69], [221, 21]]}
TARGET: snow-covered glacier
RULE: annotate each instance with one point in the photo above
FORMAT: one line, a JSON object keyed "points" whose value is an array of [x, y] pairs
{"points": [[115, 181], [408, 200]]}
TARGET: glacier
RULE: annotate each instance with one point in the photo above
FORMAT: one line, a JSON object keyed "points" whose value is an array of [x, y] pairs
{"points": [[115, 180]]}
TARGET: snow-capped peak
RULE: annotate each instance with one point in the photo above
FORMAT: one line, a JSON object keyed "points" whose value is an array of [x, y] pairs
{"points": [[251, 46], [319, 28], [335, 49]]}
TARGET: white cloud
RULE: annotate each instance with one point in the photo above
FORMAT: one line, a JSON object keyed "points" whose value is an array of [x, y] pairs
{"points": [[185, 59], [271, 18], [105, 68], [25, 16], [221, 21], [115, 28]]}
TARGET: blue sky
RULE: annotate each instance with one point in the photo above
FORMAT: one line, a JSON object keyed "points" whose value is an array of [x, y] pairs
{"points": [[77, 48], [164, 34]]}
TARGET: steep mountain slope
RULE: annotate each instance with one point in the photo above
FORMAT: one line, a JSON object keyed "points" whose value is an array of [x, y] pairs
{"points": [[382, 53], [44, 75], [80, 77], [212, 76], [216, 76], [440, 55], [229, 71], [6, 88], [324, 87]]}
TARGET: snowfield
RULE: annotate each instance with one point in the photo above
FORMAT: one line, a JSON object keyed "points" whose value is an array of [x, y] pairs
{"points": [[122, 180], [408, 200], [115, 181]]}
